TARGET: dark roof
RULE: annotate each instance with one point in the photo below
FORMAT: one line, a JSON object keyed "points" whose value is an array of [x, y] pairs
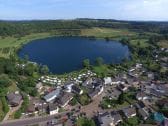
{"points": [[105, 119], [64, 98], [14, 99], [143, 113], [93, 93], [155, 93], [116, 116], [31, 108], [52, 107], [76, 89], [129, 111]]}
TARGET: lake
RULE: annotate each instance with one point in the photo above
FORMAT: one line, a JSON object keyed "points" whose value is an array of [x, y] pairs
{"points": [[66, 54]]}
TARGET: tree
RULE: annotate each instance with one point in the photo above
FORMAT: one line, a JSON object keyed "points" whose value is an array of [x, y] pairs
{"points": [[30, 69], [85, 122], [121, 98], [99, 61], [86, 63], [44, 70], [26, 58]]}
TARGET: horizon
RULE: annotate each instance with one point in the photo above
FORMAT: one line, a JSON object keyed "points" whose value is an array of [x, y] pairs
{"points": [[29, 20], [128, 10]]}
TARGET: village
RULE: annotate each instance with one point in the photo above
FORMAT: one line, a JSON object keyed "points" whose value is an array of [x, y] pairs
{"points": [[132, 96]]}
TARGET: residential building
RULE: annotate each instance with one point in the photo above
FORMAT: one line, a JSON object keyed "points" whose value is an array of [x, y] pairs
{"points": [[52, 95], [106, 119], [142, 96], [116, 117], [107, 80], [129, 112], [53, 109], [64, 99], [143, 113], [14, 99], [77, 90]]}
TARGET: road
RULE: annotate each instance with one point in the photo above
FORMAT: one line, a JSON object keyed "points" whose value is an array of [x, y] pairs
{"points": [[30, 121]]}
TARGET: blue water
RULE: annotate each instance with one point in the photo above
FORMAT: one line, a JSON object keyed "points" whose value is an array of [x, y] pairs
{"points": [[65, 54]]}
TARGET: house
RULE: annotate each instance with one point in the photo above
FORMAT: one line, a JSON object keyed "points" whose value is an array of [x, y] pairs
{"points": [[53, 109], [122, 87], [77, 90], [138, 66], [116, 81], [64, 99], [113, 93], [155, 93], [42, 107], [68, 86], [107, 80], [31, 108], [14, 99], [116, 117], [151, 76], [141, 96], [39, 86], [87, 82], [106, 119], [95, 92], [52, 95], [129, 112], [143, 113]]}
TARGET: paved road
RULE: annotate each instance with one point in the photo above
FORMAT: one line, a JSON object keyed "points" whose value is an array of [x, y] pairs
{"points": [[30, 121]]}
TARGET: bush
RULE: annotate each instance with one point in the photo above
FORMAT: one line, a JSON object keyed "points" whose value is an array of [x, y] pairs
{"points": [[5, 105]]}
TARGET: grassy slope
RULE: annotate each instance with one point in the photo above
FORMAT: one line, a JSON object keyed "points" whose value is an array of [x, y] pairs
{"points": [[2, 114], [11, 42]]}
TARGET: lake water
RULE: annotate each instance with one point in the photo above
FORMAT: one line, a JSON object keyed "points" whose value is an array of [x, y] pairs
{"points": [[66, 54]]}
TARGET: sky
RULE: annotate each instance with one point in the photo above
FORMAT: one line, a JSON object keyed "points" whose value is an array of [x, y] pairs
{"points": [[143, 10]]}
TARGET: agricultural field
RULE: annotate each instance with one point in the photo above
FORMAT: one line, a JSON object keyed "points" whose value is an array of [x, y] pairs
{"points": [[107, 32]]}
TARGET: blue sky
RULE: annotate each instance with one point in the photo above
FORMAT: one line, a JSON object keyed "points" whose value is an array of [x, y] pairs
{"points": [[70, 9]]}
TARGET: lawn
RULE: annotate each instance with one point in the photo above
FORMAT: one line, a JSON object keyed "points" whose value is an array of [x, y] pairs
{"points": [[106, 32], [101, 70], [112, 104], [140, 43]]}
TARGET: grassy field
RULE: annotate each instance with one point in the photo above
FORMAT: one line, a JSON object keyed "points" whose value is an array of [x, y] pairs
{"points": [[163, 44], [106, 32], [140, 43]]}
